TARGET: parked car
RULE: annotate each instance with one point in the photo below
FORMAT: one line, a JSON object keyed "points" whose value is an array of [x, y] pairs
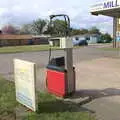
{"points": [[83, 42], [80, 42]]}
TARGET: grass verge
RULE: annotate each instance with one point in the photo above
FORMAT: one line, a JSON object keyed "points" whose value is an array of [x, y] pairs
{"points": [[49, 108], [27, 48]]}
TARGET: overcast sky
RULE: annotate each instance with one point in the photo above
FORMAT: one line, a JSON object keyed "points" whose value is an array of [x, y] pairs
{"points": [[24, 11]]}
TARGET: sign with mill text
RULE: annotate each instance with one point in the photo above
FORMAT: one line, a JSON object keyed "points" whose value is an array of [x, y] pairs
{"points": [[105, 5], [25, 78]]}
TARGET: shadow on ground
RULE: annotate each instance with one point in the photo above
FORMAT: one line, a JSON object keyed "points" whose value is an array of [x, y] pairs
{"points": [[70, 105], [60, 106], [94, 94]]}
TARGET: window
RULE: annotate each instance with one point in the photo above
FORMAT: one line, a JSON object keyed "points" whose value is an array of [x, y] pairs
{"points": [[76, 38], [87, 38]]}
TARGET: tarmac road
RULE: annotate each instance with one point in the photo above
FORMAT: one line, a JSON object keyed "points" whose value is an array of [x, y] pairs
{"points": [[41, 58]]}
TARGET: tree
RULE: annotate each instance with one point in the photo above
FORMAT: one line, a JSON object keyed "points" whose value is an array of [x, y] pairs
{"points": [[105, 38], [75, 32], [94, 30], [38, 26], [79, 31], [26, 29], [58, 28], [84, 31], [10, 29]]}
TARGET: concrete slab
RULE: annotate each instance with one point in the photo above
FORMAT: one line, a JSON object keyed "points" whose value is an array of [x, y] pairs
{"points": [[99, 79], [107, 108], [99, 73]]}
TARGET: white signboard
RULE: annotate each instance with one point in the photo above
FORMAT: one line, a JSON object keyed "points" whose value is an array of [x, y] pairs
{"points": [[25, 83], [105, 5]]}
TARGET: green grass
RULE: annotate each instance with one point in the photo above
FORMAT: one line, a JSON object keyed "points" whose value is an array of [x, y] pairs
{"points": [[27, 48], [49, 107], [7, 100]]}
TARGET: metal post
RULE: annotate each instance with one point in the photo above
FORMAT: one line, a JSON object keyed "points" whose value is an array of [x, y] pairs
{"points": [[69, 68], [114, 31]]}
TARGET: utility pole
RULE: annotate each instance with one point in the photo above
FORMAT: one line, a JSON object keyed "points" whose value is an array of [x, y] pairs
{"points": [[114, 32]]}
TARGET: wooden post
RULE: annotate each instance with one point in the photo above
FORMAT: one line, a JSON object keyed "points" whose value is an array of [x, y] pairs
{"points": [[69, 68], [114, 32]]}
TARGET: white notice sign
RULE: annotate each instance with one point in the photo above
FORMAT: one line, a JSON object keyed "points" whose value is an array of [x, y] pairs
{"points": [[25, 83]]}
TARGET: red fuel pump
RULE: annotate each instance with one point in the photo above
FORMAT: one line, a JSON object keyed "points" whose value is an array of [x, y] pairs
{"points": [[60, 79]]}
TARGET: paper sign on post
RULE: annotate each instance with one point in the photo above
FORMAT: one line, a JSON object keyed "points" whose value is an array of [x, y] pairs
{"points": [[25, 83]]}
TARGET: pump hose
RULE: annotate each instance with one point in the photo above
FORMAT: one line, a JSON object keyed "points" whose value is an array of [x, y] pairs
{"points": [[67, 31], [49, 54]]}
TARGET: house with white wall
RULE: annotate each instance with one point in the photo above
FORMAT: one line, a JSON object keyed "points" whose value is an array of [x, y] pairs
{"points": [[90, 38]]}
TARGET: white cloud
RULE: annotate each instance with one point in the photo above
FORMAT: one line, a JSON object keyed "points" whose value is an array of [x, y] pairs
{"points": [[24, 11], [2, 11]]}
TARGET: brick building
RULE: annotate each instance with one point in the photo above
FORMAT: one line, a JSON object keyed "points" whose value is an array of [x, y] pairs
{"points": [[16, 40]]}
